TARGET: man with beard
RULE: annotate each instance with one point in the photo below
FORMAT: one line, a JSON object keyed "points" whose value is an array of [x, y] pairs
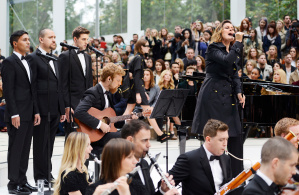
{"points": [[100, 98], [45, 79]]}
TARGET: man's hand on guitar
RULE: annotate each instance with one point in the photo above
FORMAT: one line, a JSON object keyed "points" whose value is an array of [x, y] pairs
{"points": [[105, 128]]}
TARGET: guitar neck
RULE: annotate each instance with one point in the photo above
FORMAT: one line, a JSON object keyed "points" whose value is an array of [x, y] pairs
{"points": [[123, 117]]}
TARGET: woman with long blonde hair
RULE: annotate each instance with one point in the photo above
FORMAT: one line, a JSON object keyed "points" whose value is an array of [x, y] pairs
{"points": [[280, 76], [73, 176], [166, 80]]}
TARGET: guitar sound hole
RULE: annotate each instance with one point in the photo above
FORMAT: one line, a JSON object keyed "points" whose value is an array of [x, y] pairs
{"points": [[106, 120]]}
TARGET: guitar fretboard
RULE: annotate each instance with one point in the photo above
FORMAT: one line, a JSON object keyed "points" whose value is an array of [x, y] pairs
{"points": [[123, 117]]}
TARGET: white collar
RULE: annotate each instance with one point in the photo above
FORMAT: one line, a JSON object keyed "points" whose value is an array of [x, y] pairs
{"points": [[43, 51], [209, 154], [264, 177], [104, 90], [18, 54]]}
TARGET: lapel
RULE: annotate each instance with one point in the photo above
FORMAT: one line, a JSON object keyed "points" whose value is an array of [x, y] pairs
{"points": [[206, 166], [101, 93], [145, 171], [87, 62], [56, 69], [19, 62], [75, 56], [47, 63], [223, 167]]}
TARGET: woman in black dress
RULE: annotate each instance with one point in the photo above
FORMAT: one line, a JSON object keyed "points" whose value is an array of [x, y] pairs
{"points": [[138, 95], [117, 160], [73, 174], [221, 91]]}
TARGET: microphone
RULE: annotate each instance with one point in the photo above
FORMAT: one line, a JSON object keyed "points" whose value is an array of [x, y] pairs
{"points": [[46, 56], [68, 46], [244, 36], [95, 50]]}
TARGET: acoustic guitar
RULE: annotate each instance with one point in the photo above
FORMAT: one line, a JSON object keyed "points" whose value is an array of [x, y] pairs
{"points": [[107, 116]]}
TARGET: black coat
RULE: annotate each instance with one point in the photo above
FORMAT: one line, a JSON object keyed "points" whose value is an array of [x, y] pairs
{"points": [[39, 66], [217, 98], [79, 82], [257, 186], [18, 91], [194, 171]]}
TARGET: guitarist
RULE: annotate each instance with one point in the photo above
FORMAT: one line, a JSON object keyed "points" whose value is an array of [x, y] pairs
{"points": [[100, 98]]}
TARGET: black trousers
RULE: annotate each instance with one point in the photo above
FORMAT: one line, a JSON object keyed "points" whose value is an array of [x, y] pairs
{"points": [[40, 146], [99, 145], [19, 141], [68, 129], [235, 146]]}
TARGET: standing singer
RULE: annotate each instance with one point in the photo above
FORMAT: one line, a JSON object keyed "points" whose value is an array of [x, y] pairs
{"points": [[221, 89]]}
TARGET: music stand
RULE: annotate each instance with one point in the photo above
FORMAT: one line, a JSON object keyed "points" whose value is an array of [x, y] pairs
{"points": [[169, 104]]}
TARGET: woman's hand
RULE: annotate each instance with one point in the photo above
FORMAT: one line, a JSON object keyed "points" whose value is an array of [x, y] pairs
{"points": [[102, 188], [239, 36], [138, 98], [241, 99], [123, 187]]}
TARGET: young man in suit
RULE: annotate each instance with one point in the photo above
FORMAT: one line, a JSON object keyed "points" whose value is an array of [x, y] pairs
{"points": [[138, 132], [81, 72], [40, 66], [100, 98], [21, 112], [204, 170], [279, 159]]}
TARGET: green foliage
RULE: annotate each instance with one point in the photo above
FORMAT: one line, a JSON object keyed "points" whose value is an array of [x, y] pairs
{"points": [[272, 9]]}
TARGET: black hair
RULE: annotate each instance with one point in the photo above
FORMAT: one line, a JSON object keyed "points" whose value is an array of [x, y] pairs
{"points": [[15, 36], [133, 127], [31, 49], [174, 63], [190, 34], [208, 31], [115, 35], [191, 62], [103, 38], [177, 35]]}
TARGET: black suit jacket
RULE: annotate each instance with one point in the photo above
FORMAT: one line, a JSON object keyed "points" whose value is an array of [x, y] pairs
{"points": [[194, 171], [257, 186], [79, 82], [149, 187], [18, 91], [39, 66], [93, 97]]}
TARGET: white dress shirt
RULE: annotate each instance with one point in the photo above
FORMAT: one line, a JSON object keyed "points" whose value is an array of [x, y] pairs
{"points": [[216, 170], [82, 61], [106, 102], [26, 65], [50, 62], [264, 177]]}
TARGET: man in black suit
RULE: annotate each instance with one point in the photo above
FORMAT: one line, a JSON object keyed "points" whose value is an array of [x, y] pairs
{"points": [[40, 67], [205, 170], [21, 112], [279, 159], [138, 132], [100, 98], [81, 72]]}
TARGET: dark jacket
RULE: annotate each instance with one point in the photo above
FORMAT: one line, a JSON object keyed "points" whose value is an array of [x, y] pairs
{"points": [[181, 50], [18, 91], [267, 44], [79, 82], [93, 97], [156, 48], [39, 66], [184, 85], [194, 171], [257, 186], [217, 98]]}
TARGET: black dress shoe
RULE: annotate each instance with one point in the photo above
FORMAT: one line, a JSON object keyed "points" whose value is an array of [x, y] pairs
{"points": [[19, 190], [29, 187]]}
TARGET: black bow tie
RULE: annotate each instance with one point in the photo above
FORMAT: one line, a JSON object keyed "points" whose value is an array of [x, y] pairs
{"points": [[275, 188], [82, 51], [107, 93], [23, 58], [214, 157], [49, 54]]}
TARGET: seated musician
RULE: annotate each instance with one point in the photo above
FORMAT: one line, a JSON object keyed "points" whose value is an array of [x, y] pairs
{"points": [[138, 132], [207, 167], [99, 97], [117, 160], [73, 174], [279, 158]]}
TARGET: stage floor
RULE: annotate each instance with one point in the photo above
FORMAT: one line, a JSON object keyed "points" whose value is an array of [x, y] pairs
{"points": [[252, 150]]}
